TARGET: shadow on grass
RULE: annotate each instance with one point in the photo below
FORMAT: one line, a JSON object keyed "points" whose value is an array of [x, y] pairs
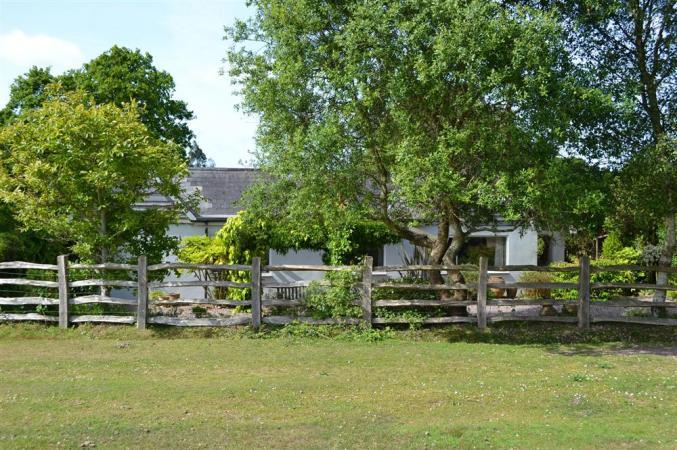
{"points": [[596, 350], [555, 334], [628, 338]]}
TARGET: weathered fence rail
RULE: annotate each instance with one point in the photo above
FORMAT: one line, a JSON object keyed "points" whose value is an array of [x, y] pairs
{"points": [[63, 292]]}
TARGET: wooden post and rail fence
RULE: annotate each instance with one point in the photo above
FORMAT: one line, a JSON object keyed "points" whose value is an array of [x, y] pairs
{"points": [[65, 292]]}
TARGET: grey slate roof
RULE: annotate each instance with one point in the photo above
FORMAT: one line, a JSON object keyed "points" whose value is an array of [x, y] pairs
{"points": [[221, 189]]}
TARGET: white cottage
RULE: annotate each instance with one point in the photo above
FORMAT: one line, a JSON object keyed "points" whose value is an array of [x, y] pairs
{"points": [[223, 187]]}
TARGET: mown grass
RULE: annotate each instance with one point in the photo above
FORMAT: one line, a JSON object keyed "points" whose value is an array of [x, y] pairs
{"points": [[327, 387]]}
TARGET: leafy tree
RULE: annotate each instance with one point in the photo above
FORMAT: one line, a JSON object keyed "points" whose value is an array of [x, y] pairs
{"points": [[26, 92], [121, 74], [118, 76], [408, 113], [645, 189], [629, 46], [76, 169], [584, 201], [629, 49]]}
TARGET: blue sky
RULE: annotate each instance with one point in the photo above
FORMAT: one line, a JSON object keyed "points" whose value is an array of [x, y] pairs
{"points": [[184, 37]]}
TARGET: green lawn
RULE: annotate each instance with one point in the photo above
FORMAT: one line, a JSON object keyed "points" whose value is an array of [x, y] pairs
{"points": [[116, 387]]}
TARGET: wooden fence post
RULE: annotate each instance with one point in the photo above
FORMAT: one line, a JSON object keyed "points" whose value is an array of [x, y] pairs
{"points": [[256, 292], [584, 293], [142, 293], [366, 289], [62, 263], [660, 295], [482, 294]]}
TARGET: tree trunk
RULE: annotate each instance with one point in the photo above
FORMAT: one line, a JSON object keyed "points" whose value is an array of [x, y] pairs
{"points": [[665, 260], [446, 252], [648, 80], [652, 108], [437, 252], [440, 248], [455, 276]]}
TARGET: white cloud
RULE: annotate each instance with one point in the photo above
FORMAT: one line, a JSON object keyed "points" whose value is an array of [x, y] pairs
{"points": [[20, 49]]}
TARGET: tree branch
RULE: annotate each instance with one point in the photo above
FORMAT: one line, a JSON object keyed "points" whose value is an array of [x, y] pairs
{"points": [[414, 235]]}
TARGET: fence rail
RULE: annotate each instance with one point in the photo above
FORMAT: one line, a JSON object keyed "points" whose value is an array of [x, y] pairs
{"points": [[107, 266], [66, 292], [307, 268], [412, 268], [27, 265], [215, 267]]}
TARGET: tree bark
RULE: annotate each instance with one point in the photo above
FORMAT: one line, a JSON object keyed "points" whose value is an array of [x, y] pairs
{"points": [[448, 252], [437, 252], [457, 242], [442, 248]]}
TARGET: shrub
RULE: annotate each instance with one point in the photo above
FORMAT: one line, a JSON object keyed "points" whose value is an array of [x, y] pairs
{"points": [[156, 295], [612, 245], [349, 333], [338, 300], [200, 312], [99, 309], [414, 318], [236, 243], [622, 256], [473, 277]]}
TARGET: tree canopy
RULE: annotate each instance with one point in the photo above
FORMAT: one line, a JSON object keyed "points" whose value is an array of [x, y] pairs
{"points": [[118, 76], [76, 170], [628, 49], [410, 113], [293, 223]]}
